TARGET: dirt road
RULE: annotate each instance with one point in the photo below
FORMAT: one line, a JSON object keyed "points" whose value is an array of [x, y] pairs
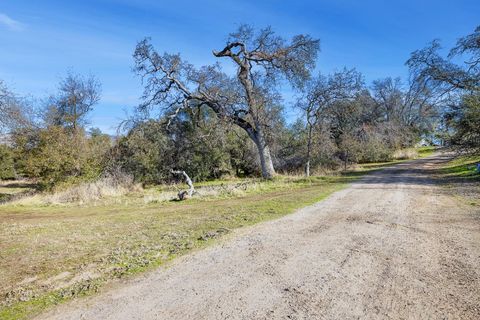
{"points": [[394, 245]]}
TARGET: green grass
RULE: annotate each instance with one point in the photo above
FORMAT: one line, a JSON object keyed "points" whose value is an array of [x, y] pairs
{"points": [[462, 167], [378, 165], [426, 151], [462, 179]]}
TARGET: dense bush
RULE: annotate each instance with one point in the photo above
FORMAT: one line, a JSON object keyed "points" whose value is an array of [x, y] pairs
{"points": [[202, 147], [56, 154], [467, 124], [7, 169]]}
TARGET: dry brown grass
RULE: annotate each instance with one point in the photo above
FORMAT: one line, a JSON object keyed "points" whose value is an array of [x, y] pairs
{"points": [[87, 193], [405, 154]]}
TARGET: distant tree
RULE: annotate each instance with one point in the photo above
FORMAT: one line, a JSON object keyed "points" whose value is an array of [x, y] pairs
{"points": [[50, 155], [76, 97], [459, 80], [323, 93], [290, 147], [407, 111], [144, 152], [467, 124], [97, 152], [429, 64], [261, 59], [15, 113]]}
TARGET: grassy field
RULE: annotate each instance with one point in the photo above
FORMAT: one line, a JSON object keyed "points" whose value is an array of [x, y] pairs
{"points": [[52, 253], [463, 167], [425, 151], [462, 179]]}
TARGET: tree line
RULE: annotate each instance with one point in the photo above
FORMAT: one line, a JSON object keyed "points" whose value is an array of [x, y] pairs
{"points": [[210, 123]]}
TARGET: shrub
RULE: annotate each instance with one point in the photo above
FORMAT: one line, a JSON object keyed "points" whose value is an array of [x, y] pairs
{"points": [[150, 150], [57, 155], [7, 169]]}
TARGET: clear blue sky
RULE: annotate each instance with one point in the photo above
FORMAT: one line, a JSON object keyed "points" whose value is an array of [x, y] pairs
{"points": [[41, 40]]}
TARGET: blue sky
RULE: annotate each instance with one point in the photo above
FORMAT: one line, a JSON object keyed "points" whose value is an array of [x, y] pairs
{"points": [[41, 40]]}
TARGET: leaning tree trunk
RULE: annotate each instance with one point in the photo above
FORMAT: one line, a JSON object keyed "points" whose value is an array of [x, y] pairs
{"points": [[266, 162], [345, 163]]}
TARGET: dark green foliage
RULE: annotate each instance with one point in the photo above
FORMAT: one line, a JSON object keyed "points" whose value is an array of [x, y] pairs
{"points": [[56, 154], [7, 169], [195, 142], [242, 153], [467, 124], [143, 152]]}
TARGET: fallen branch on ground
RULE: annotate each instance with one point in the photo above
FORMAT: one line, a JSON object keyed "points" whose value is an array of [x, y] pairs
{"points": [[182, 195]]}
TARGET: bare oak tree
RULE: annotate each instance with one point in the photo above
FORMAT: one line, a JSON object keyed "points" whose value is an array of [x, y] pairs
{"points": [[76, 98], [429, 64], [411, 105], [456, 75], [261, 59], [14, 111]]}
